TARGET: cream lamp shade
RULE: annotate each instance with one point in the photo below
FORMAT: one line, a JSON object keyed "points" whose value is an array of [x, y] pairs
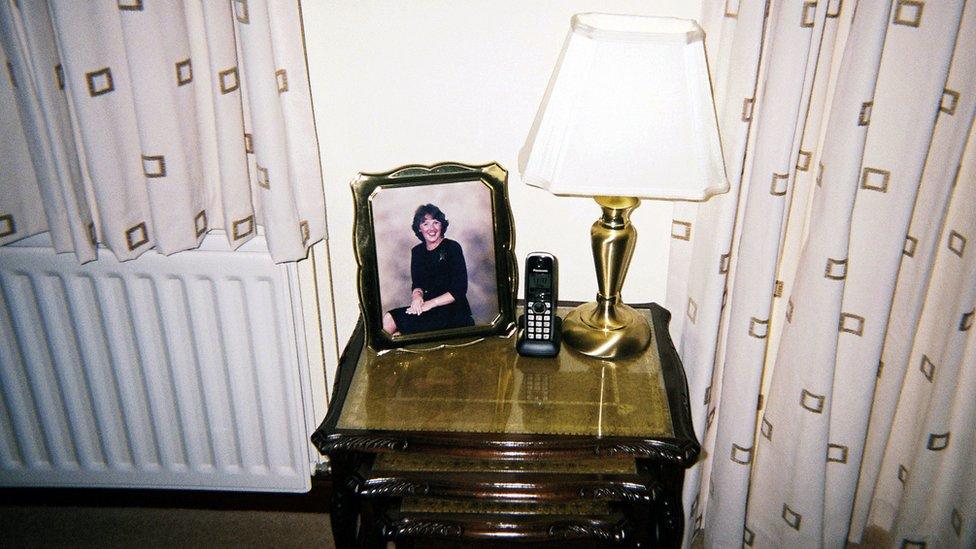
{"points": [[628, 112]]}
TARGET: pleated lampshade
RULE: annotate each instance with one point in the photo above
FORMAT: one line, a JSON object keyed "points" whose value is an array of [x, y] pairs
{"points": [[628, 112]]}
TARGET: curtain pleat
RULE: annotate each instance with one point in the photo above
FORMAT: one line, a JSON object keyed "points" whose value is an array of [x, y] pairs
{"points": [[37, 80], [923, 237], [700, 264], [791, 60]]}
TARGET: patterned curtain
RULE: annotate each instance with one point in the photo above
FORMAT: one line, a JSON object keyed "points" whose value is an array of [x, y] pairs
{"points": [[142, 124], [829, 298]]}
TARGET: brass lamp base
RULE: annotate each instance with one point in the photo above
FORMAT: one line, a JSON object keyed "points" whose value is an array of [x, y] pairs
{"points": [[607, 328], [629, 336]]}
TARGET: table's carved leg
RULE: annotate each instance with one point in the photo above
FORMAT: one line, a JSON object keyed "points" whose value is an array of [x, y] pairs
{"points": [[344, 505], [372, 526], [671, 514]]}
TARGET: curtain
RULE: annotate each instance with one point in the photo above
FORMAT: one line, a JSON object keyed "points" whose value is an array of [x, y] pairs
{"points": [[828, 299], [142, 125]]}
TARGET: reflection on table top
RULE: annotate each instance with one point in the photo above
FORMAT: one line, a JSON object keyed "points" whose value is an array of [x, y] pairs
{"points": [[486, 387]]}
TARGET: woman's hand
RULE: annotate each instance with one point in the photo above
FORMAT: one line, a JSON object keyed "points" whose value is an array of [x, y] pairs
{"points": [[417, 304]]}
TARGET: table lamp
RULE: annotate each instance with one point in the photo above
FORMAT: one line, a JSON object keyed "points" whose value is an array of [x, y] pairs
{"points": [[628, 114]]}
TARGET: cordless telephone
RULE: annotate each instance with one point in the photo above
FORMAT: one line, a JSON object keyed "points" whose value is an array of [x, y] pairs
{"points": [[540, 327]]}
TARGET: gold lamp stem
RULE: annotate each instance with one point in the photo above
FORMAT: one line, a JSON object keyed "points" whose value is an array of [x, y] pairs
{"points": [[607, 328]]}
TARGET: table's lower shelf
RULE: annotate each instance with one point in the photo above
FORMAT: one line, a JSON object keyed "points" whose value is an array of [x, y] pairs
{"points": [[594, 522], [552, 480], [609, 501]]}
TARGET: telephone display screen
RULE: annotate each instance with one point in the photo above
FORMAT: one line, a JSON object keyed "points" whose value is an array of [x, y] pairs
{"points": [[539, 279]]}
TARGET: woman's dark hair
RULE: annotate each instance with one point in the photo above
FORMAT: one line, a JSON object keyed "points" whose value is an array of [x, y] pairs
{"points": [[434, 212]]}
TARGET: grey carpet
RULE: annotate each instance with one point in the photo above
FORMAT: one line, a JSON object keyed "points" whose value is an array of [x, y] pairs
{"points": [[22, 526]]}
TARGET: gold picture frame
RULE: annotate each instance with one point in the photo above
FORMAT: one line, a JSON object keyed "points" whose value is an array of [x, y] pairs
{"points": [[476, 247]]}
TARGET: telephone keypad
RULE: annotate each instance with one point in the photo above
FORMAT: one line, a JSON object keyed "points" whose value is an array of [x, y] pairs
{"points": [[539, 325]]}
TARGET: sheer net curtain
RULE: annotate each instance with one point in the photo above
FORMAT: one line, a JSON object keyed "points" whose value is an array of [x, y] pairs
{"points": [[144, 124], [833, 289]]}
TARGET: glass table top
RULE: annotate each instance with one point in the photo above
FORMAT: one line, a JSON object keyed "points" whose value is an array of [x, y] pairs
{"points": [[486, 387]]}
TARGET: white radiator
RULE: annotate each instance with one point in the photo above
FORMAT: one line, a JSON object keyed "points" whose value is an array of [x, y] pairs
{"points": [[170, 372]]}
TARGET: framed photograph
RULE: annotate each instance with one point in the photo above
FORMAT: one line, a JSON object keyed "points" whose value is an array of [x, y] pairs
{"points": [[435, 247]]}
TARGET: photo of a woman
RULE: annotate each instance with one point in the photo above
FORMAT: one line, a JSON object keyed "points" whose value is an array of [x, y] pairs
{"points": [[439, 280], [458, 283]]}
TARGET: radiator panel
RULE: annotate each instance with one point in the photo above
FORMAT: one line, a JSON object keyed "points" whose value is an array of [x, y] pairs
{"points": [[178, 372]]}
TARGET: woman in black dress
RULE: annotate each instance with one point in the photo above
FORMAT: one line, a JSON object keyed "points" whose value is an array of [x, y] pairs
{"points": [[439, 279]]}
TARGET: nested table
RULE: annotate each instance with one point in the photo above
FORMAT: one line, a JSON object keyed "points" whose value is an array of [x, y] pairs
{"points": [[474, 442]]}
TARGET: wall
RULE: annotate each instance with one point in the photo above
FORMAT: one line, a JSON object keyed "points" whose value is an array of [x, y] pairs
{"points": [[426, 81]]}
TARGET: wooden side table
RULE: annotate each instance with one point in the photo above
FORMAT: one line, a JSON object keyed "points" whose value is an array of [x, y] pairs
{"points": [[474, 442]]}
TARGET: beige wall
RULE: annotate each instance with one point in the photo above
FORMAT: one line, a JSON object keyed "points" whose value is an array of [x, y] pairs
{"points": [[426, 81]]}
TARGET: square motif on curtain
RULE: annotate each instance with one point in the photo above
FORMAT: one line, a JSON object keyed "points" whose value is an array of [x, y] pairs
{"points": [[836, 269], [59, 75], [723, 263], [927, 368], [950, 98], [766, 429], [779, 184], [864, 118], [680, 230], [99, 82], [833, 9], [809, 11], [154, 166], [789, 311], [137, 236], [908, 13], [836, 453], [910, 544], [902, 474], [911, 243], [240, 11], [130, 5], [732, 8], [7, 225], [957, 243], [938, 442], [306, 234], [747, 104], [748, 536], [792, 518], [184, 72], [820, 172], [281, 75], [248, 143], [758, 328], [740, 455], [803, 160], [229, 80], [874, 179], [92, 237], [200, 222], [967, 321], [852, 324], [812, 402], [778, 289], [263, 179], [10, 74], [243, 227]]}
